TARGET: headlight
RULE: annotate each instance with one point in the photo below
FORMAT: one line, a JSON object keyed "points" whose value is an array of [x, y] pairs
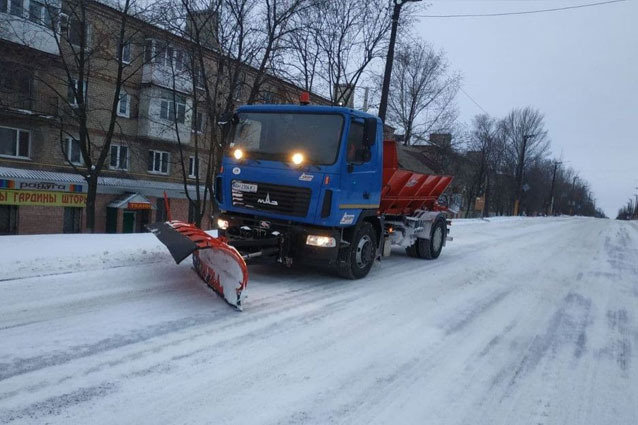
{"points": [[238, 154], [297, 158], [321, 241], [222, 224]]}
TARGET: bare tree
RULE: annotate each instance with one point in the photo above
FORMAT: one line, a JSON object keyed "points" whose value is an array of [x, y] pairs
{"points": [[485, 149], [527, 141], [349, 35], [422, 92], [302, 53], [279, 19]]}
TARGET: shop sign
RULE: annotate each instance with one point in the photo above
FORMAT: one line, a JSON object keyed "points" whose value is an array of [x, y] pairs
{"points": [[139, 206], [42, 185], [50, 199]]}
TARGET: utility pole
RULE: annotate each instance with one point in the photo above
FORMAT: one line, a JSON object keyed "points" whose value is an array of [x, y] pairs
{"points": [[519, 172], [383, 106], [551, 193]]}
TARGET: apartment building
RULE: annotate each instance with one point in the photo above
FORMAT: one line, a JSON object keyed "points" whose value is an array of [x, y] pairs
{"points": [[42, 189]]}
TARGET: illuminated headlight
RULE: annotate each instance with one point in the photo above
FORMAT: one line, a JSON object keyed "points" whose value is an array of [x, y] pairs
{"points": [[238, 154], [321, 241], [222, 224], [297, 158]]}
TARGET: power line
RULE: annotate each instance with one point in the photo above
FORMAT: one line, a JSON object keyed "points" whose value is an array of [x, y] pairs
{"points": [[524, 12], [416, 41], [473, 101]]}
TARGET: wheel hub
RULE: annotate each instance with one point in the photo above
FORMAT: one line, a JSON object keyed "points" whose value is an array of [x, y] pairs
{"points": [[437, 239], [365, 252]]}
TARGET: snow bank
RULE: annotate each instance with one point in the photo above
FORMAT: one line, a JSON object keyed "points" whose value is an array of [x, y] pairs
{"points": [[39, 255], [500, 219]]}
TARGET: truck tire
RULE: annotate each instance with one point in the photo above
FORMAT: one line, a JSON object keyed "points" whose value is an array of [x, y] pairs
{"points": [[356, 261], [412, 250], [430, 249]]}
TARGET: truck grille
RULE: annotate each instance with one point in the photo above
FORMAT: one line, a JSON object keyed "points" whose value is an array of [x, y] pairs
{"points": [[288, 200]]}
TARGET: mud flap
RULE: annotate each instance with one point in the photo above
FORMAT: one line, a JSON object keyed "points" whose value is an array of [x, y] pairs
{"points": [[217, 263]]}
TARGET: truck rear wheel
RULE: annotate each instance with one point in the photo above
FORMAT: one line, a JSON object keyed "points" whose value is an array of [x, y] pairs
{"points": [[356, 261], [429, 249]]}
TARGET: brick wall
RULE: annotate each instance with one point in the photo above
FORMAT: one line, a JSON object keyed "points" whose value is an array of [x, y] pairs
{"points": [[38, 220]]}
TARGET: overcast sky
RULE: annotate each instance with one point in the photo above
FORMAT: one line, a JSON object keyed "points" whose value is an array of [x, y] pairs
{"points": [[579, 67]]}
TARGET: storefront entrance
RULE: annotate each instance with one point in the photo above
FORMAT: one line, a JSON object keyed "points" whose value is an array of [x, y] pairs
{"points": [[136, 213], [128, 222]]}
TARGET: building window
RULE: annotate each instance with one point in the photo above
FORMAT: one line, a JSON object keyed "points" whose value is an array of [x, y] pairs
{"points": [[193, 167], [73, 151], [162, 53], [168, 107], [72, 220], [124, 105], [158, 162], [269, 97], [199, 77], [8, 219], [73, 93], [148, 51], [198, 122], [17, 7], [74, 32], [181, 62], [119, 157], [15, 142], [126, 52]]}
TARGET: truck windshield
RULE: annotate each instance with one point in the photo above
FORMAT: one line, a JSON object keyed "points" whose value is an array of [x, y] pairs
{"points": [[276, 136]]}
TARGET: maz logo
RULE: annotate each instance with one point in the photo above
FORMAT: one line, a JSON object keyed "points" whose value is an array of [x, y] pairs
{"points": [[267, 200]]}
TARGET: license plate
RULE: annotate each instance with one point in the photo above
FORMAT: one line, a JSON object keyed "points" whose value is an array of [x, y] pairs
{"points": [[244, 187]]}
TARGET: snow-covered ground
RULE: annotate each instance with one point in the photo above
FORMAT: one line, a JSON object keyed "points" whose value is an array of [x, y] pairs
{"points": [[525, 321]]}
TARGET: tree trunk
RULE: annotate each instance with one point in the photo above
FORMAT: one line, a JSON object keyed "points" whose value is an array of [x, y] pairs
{"points": [[90, 203]]}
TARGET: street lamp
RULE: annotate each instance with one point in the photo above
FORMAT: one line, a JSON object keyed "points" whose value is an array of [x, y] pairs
{"points": [[519, 172], [383, 106]]}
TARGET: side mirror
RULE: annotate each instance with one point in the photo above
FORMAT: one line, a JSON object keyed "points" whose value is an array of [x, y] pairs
{"points": [[369, 132], [227, 118]]}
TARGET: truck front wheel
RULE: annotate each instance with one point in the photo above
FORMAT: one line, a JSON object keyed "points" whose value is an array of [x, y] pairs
{"points": [[356, 261]]}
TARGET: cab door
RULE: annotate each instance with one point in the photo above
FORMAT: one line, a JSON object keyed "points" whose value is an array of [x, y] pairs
{"points": [[362, 176]]}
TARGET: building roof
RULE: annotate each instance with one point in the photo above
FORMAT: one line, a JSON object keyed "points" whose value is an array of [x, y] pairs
{"points": [[105, 184], [123, 201]]}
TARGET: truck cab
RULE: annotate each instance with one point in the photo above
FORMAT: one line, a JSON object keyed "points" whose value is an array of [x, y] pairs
{"points": [[297, 182]]}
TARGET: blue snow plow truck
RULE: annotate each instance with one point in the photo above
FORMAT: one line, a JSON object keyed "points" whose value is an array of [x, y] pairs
{"points": [[318, 185]]}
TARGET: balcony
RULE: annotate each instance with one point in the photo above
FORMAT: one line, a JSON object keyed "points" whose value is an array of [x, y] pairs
{"points": [[20, 30], [157, 115], [166, 66], [28, 104], [162, 75]]}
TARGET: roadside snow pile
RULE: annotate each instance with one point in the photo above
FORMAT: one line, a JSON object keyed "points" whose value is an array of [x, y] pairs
{"points": [[40, 255], [501, 219]]}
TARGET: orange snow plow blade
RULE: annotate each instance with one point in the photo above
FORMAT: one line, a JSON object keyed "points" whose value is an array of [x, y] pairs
{"points": [[217, 263]]}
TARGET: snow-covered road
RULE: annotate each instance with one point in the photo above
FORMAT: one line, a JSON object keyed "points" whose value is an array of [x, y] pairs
{"points": [[529, 321]]}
